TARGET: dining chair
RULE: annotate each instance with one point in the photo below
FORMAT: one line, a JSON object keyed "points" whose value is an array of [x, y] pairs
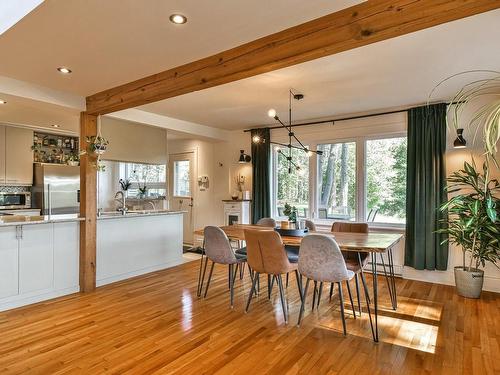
{"points": [[266, 255], [321, 260], [218, 249], [355, 261], [310, 225], [267, 222]]}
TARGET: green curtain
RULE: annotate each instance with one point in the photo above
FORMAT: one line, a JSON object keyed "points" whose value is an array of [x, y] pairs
{"points": [[261, 169], [426, 180]]}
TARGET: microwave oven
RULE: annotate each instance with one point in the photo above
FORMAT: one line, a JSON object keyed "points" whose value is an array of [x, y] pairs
{"points": [[14, 200]]}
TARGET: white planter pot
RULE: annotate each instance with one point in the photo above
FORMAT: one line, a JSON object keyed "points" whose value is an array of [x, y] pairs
{"points": [[469, 283]]}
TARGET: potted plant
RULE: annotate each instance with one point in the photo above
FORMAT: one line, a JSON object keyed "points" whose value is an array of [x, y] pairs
{"points": [[291, 212], [73, 160], [473, 223]]}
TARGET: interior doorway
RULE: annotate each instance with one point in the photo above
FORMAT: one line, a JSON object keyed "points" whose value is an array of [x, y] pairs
{"points": [[181, 177]]}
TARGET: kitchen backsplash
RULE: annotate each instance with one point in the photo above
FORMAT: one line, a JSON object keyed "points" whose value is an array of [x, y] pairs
{"points": [[14, 189]]}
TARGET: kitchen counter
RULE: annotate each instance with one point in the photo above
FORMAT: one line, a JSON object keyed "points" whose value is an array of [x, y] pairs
{"points": [[132, 214], [14, 220]]}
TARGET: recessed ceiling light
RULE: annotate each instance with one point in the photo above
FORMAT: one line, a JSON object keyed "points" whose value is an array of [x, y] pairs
{"points": [[2, 101], [55, 126], [178, 19], [64, 70]]}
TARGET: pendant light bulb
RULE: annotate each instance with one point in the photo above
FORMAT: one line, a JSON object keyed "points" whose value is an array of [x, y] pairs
{"points": [[271, 113]]}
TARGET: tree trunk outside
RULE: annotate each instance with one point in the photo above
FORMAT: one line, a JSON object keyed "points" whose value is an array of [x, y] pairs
{"points": [[343, 176]]}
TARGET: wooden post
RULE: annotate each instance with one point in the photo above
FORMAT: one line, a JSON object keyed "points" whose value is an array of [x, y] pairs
{"points": [[88, 205]]}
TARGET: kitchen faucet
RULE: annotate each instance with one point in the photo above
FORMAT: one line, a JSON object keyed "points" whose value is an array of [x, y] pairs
{"points": [[123, 209], [152, 205]]}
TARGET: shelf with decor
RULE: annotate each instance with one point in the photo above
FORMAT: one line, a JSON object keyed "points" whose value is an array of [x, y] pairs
{"points": [[55, 149]]}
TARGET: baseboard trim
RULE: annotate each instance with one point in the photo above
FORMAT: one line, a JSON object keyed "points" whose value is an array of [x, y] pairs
{"points": [[20, 301], [142, 271]]}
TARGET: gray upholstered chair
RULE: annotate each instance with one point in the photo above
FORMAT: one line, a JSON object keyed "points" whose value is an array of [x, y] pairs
{"points": [[218, 249], [321, 260], [310, 225], [267, 222]]}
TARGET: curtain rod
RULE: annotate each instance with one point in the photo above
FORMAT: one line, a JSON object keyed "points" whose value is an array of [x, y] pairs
{"points": [[345, 118]]}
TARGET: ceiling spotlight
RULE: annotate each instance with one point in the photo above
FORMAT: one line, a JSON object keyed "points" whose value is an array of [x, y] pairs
{"points": [[460, 142], [271, 113], [178, 19], [55, 126], [64, 70], [255, 139], [2, 101]]}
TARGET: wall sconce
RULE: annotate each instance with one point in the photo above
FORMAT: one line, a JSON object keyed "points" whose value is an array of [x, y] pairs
{"points": [[244, 158], [460, 142]]}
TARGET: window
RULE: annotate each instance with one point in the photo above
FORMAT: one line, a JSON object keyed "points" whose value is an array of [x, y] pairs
{"points": [[152, 176], [337, 181], [386, 180], [293, 187], [181, 178]]}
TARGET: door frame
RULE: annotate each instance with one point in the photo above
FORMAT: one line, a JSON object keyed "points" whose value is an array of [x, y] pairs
{"points": [[194, 192]]}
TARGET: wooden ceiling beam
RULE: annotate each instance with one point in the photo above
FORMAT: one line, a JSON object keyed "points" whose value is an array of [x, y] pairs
{"points": [[360, 25]]}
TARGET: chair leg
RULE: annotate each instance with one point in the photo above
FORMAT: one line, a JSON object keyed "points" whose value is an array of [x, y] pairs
{"points": [[235, 273], [254, 282], [350, 298], [287, 279], [202, 280], [341, 298], [320, 292], [331, 291], [242, 271], [299, 287], [357, 293], [209, 278], [282, 297], [303, 304], [314, 294], [269, 286]]}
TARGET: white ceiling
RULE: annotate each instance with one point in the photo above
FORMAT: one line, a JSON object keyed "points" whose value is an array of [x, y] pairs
{"points": [[107, 43], [394, 73]]}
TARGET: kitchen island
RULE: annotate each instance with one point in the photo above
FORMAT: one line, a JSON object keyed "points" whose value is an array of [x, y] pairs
{"points": [[137, 243], [39, 258]]}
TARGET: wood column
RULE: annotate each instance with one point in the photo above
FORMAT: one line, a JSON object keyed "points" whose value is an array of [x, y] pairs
{"points": [[88, 205]]}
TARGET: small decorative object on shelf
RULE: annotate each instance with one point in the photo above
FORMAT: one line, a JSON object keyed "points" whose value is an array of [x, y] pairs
{"points": [[53, 148], [240, 183], [73, 160]]}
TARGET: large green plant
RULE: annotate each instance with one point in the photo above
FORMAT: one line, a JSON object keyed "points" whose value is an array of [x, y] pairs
{"points": [[473, 220]]}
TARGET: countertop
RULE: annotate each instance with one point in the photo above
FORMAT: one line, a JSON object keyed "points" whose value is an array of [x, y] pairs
{"points": [[134, 214], [14, 220]]}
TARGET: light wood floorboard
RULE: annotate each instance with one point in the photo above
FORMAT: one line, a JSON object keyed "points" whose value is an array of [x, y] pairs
{"points": [[156, 324]]}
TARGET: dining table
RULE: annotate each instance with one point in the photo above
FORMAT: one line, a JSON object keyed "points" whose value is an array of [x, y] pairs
{"points": [[377, 244]]}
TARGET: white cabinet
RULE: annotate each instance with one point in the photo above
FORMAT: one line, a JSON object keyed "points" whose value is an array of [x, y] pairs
{"points": [[38, 262], [36, 258], [2, 154], [9, 282], [18, 156]]}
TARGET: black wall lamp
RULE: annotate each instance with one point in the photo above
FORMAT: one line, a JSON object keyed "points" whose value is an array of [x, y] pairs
{"points": [[244, 158], [460, 142]]}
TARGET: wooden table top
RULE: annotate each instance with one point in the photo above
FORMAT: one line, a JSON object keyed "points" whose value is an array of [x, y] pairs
{"points": [[368, 242]]}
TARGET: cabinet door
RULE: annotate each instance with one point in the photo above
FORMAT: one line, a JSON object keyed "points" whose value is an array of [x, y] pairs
{"points": [[2, 154], [9, 267], [36, 258], [18, 156]]}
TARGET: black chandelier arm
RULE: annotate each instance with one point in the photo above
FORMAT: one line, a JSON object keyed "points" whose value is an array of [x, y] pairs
{"points": [[297, 147], [290, 132], [290, 161]]}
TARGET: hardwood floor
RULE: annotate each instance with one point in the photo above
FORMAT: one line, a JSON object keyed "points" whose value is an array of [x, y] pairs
{"points": [[155, 324]]}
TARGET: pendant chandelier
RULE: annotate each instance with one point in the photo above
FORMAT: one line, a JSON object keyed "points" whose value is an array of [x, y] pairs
{"points": [[291, 135]]}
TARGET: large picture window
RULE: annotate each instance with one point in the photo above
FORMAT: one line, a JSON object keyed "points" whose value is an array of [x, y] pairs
{"points": [[360, 179], [337, 181], [386, 180], [153, 176], [293, 187]]}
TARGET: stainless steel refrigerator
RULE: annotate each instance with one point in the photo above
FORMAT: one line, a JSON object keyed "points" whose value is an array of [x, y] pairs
{"points": [[56, 189]]}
